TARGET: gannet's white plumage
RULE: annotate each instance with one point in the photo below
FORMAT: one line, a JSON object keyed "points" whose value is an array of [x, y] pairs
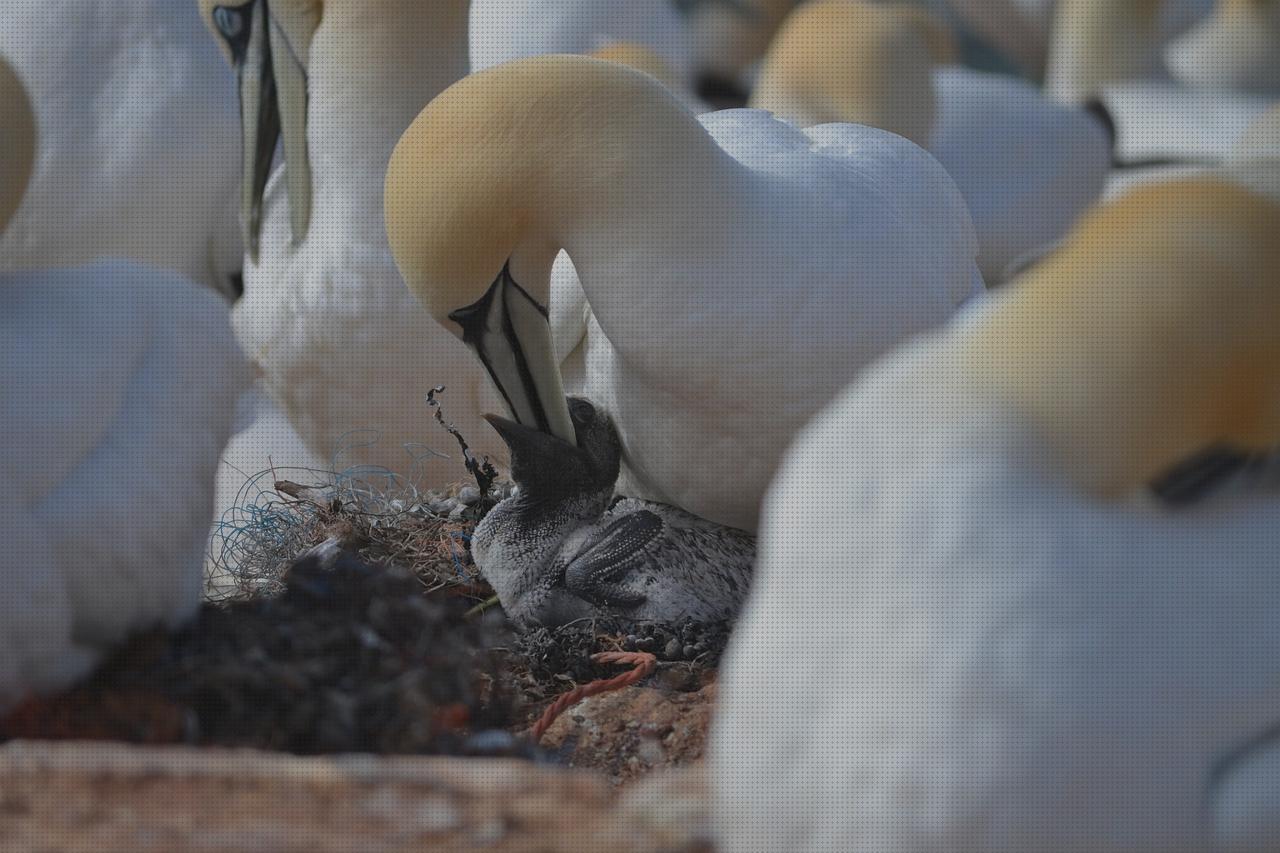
{"points": [[118, 385], [1236, 48], [965, 635], [138, 121], [1027, 167], [501, 30], [345, 350], [735, 271]]}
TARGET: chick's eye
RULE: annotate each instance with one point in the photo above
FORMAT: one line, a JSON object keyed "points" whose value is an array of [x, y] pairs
{"points": [[230, 21]]}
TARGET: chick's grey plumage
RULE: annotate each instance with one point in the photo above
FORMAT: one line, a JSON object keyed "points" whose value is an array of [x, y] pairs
{"points": [[560, 549]]}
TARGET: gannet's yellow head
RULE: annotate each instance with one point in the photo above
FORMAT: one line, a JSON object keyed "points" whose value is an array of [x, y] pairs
{"points": [[847, 61], [17, 142], [1096, 43], [501, 171], [1152, 333], [641, 58]]}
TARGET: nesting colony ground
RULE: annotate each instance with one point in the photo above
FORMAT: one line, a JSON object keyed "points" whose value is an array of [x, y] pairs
{"points": [[353, 620]]}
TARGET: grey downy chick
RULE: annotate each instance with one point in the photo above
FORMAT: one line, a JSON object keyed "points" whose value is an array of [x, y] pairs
{"points": [[557, 550]]}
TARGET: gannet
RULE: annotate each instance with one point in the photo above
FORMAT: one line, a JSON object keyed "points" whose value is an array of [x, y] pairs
{"points": [[139, 139], [116, 398], [735, 271], [503, 30], [1110, 51], [968, 632], [559, 549], [1027, 167], [1236, 48], [729, 37], [345, 349]]}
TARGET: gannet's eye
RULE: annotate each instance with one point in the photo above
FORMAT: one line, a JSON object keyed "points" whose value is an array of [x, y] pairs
{"points": [[581, 411], [229, 20]]}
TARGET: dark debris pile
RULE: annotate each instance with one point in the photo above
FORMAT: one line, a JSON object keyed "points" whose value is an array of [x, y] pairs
{"points": [[349, 657]]}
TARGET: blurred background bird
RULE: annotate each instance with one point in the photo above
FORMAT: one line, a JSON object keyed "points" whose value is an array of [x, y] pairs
{"points": [[118, 388]]}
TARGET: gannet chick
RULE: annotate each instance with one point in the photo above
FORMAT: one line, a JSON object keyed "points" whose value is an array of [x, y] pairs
{"points": [[557, 551], [1027, 166], [138, 137], [345, 350], [116, 394], [732, 271], [1236, 48], [980, 636]]}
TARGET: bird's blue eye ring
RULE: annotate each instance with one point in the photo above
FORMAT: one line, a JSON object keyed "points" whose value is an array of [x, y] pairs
{"points": [[229, 20]]}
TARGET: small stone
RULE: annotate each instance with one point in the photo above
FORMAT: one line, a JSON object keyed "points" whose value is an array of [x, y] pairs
{"points": [[468, 495]]}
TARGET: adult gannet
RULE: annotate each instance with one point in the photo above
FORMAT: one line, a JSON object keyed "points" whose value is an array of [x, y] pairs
{"points": [[560, 549], [116, 397], [964, 633], [1109, 52], [1237, 48], [503, 30], [735, 271], [139, 139], [344, 348], [729, 37], [1026, 166]]}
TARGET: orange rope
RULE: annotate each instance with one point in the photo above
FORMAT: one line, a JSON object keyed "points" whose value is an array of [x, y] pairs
{"points": [[643, 663]]}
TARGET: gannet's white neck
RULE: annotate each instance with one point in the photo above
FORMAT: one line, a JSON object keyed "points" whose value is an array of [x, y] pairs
{"points": [[1152, 333], [373, 67]]}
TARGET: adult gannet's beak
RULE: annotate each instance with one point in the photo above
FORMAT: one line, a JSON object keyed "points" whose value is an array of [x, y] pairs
{"points": [[268, 49], [509, 331]]}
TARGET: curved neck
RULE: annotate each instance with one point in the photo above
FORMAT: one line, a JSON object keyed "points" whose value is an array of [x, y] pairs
{"points": [[517, 162]]}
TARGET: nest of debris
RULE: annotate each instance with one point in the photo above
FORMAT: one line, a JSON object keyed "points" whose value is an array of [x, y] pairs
{"points": [[348, 616]]}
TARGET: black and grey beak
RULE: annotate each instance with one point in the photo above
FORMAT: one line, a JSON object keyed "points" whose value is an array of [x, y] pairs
{"points": [[509, 330], [542, 463], [272, 81]]}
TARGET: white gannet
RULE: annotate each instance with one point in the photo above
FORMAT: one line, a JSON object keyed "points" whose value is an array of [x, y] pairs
{"points": [[735, 271], [138, 122], [503, 30], [1027, 166], [116, 396], [560, 549], [1110, 51], [345, 349], [1236, 48], [968, 631]]}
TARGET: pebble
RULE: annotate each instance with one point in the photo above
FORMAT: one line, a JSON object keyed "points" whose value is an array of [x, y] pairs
{"points": [[468, 495]]}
